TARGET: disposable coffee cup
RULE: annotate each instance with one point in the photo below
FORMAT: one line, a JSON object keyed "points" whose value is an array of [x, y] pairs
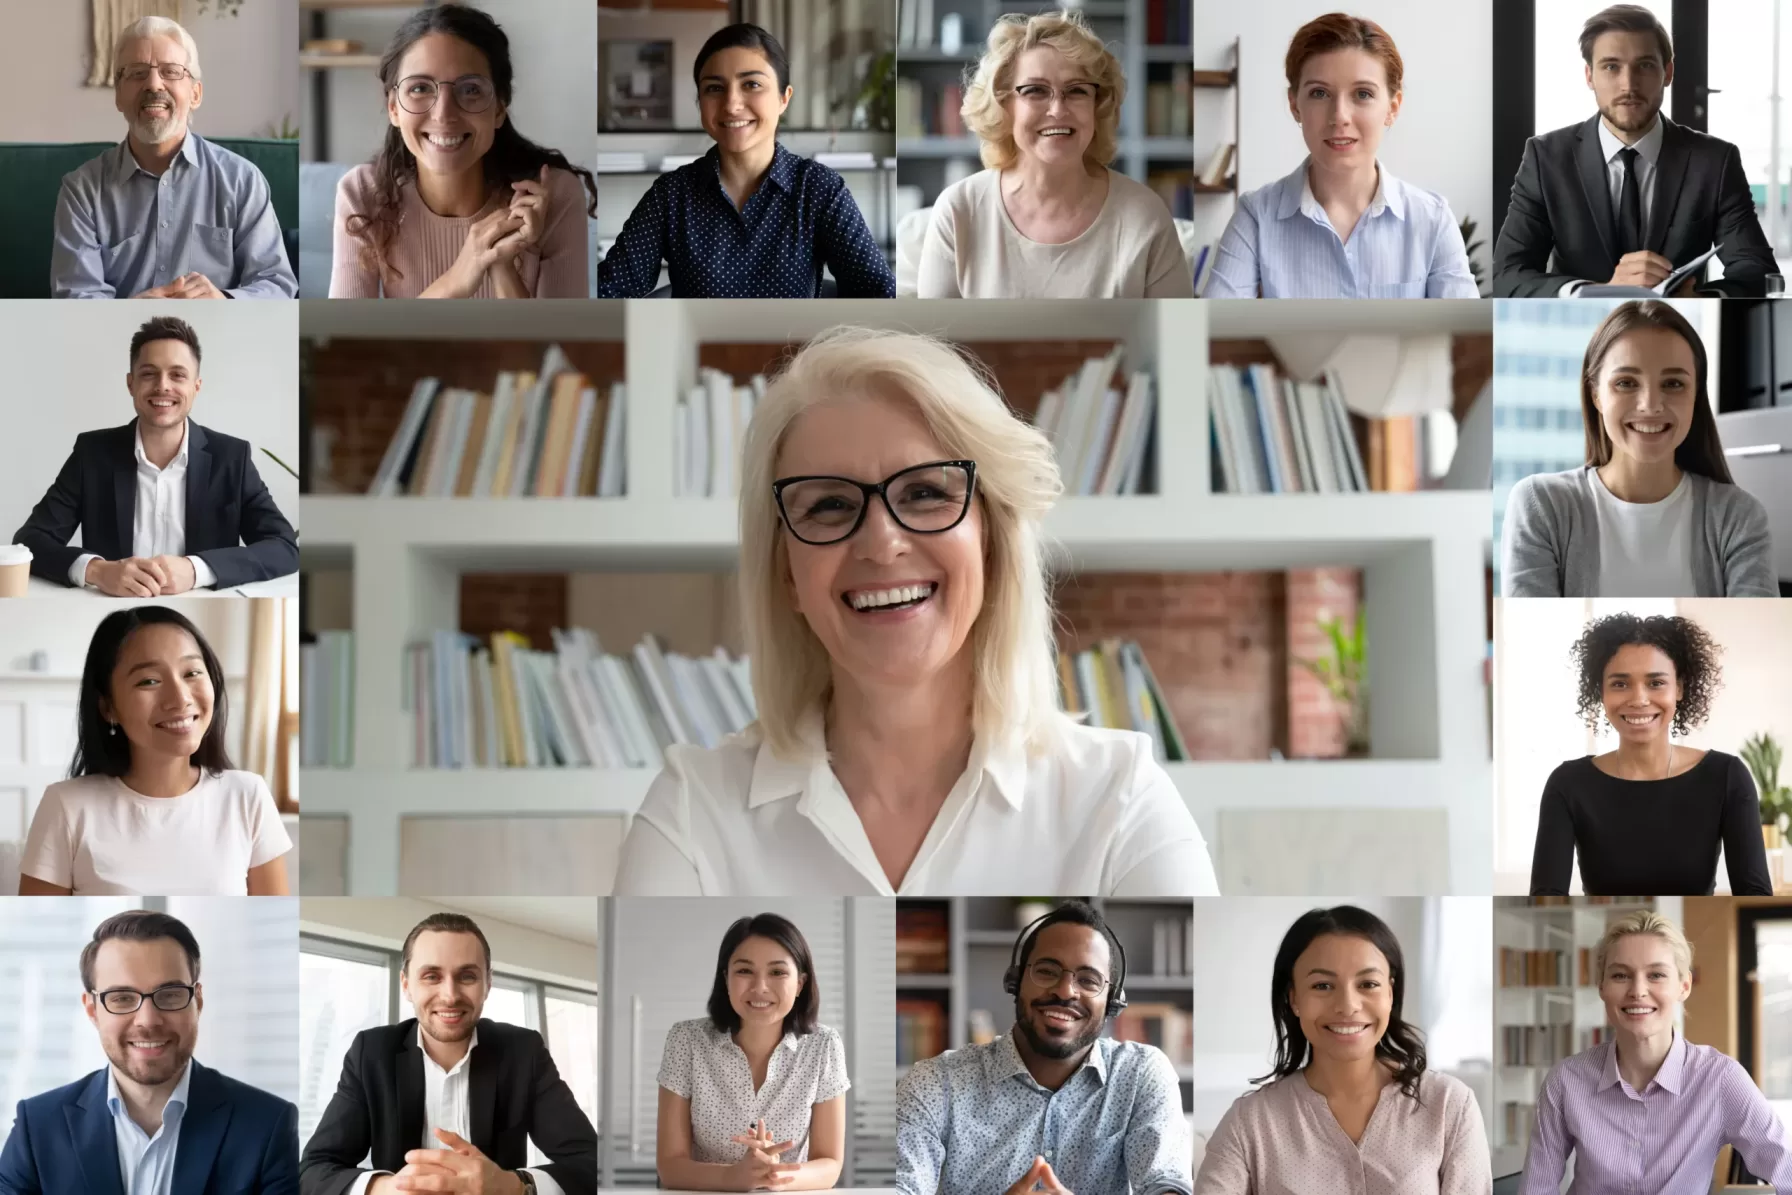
{"points": [[15, 570]]}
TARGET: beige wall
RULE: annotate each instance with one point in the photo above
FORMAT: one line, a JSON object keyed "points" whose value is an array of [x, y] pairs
{"points": [[1710, 926], [1756, 635], [250, 63]]}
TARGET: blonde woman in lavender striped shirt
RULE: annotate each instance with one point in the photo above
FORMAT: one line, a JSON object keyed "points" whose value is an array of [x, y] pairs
{"points": [[1648, 1110], [1340, 226], [1349, 1108]]}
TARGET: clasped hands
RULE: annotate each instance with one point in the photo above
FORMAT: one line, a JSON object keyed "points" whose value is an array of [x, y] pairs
{"points": [[497, 238], [761, 1169], [141, 576], [187, 286], [1039, 1178], [459, 1170]]}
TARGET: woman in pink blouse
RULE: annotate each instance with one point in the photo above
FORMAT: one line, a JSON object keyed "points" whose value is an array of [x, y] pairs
{"points": [[1647, 1110], [458, 204], [1349, 1108]]}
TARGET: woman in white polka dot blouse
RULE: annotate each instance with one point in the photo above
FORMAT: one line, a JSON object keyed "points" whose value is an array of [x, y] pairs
{"points": [[908, 737], [1349, 1108], [1048, 218], [753, 1096]]}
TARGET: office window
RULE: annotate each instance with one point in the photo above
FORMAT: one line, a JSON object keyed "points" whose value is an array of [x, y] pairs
{"points": [[1741, 110], [342, 990], [1562, 97], [1773, 972], [571, 1031]]}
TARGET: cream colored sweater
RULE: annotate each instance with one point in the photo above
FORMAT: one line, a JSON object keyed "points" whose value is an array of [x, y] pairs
{"points": [[974, 251]]}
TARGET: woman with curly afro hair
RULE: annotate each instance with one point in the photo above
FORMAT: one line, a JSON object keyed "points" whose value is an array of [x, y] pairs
{"points": [[1649, 817]]}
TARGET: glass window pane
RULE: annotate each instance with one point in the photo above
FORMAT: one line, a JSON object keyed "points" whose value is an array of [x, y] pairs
{"points": [[572, 1040], [1773, 971], [337, 999]]}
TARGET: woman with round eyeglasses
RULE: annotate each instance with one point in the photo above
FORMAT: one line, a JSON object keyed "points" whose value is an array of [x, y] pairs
{"points": [[908, 739], [457, 204], [1048, 217]]}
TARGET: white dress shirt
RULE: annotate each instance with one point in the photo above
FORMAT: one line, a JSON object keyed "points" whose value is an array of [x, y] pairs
{"points": [[146, 1163], [1094, 814], [446, 1105], [159, 527], [1648, 152], [704, 1065]]}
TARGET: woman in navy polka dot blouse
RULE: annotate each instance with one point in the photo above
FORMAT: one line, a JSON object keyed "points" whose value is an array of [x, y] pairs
{"points": [[749, 219]]}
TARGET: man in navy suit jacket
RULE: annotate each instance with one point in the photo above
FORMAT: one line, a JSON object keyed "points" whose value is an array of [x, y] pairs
{"points": [[163, 504], [154, 1122]]}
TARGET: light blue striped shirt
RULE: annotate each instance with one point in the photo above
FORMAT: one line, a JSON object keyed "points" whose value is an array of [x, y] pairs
{"points": [[145, 1162], [1280, 244]]}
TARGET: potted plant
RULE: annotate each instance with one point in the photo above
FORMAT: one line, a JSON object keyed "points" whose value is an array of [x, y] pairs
{"points": [[1763, 756], [1345, 674]]}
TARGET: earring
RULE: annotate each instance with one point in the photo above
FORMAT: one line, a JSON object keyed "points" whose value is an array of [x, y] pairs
{"points": [[111, 728]]}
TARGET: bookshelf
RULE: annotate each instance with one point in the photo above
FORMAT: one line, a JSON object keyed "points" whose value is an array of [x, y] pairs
{"points": [[1571, 1010], [930, 161], [1422, 555], [980, 933]]}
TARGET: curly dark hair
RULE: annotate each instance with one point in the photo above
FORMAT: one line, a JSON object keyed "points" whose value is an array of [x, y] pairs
{"points": [[1693, 652]]}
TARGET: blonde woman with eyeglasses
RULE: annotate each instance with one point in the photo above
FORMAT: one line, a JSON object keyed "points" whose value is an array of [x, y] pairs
{"points": [[909, 740], [1048, 218]]}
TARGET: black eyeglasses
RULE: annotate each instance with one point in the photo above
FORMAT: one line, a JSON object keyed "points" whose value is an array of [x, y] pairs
{"points": [[925, 499], [417, 93], [1087, 980], [170, 997]]}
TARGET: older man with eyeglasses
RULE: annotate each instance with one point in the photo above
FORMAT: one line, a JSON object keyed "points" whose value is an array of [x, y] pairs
{"points": [[153, 1121], [166, 214]]}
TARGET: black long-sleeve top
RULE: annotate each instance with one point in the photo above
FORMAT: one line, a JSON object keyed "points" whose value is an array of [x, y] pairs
{"points": [[1650, 837]]}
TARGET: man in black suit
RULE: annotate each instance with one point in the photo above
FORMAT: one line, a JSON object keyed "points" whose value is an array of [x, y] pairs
{"points": [[470, 1093], [163, 504], [1628, 195]]}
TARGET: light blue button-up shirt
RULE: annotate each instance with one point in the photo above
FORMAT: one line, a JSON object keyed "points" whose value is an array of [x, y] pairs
{"points": [[147, 1163], [971, 1121], [1280, 244], [121, 230]]}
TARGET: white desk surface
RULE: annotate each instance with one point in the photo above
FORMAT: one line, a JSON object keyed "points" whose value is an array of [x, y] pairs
{"points": [[287, 586]]}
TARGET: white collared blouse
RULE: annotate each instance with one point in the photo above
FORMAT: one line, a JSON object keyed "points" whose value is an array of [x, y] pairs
{"points": [[1095, 814]]}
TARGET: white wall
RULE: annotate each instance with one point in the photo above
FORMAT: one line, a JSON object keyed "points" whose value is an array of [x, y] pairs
{"points": [[67, 364], [553, 51], [249, 60], [1235, 944], [1442, 140], [519, 949], [63, 630]]}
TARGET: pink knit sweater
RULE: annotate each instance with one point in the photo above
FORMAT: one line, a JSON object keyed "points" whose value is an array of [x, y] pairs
{"points": [[427, 244]]}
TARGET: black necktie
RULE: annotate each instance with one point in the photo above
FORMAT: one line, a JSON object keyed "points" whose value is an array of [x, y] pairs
{"points": [[1630, 207]]}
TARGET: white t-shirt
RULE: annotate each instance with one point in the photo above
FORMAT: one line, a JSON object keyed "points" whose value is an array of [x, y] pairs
{"points": [[97, 836], [1095, 814], [705, 1066], [1645, 548], [974, 251]]}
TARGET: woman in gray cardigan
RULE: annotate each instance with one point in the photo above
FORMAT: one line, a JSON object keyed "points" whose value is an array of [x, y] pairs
{"points": [[1653, 512]]}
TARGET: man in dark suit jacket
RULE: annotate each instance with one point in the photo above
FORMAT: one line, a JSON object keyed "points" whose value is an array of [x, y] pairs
{"points": [[229, 1139], [121, 486], [1627, 196], [394, 1077]]}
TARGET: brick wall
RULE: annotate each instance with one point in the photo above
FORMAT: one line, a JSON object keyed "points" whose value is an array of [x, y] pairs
{"points": [[358, 389]]}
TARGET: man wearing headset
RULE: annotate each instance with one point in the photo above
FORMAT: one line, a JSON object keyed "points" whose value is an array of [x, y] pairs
{"points": [[1054, 1106]]}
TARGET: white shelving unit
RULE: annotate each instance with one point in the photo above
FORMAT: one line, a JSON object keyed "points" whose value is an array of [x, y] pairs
{"points": [[1423, 556], [1569, 928]]}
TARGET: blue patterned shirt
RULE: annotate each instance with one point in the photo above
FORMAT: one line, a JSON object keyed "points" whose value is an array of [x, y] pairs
{"points": [[801, 218], [1406, 245], [121, 230], [971, 1121]]}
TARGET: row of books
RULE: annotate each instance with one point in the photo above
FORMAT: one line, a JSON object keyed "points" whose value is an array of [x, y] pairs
{"points": [[1113, 685], [1544, 968], [920, 1030], [1274, 435], [1170, 104], [505, 704], [1219, 165], [327, 695], [551, 434], [1176, 187], [1546, 1045], [1172, 946], [709, 426], [1099, 422], [929, 111], [1169, 22], [1169, 1028], [921, 940]]}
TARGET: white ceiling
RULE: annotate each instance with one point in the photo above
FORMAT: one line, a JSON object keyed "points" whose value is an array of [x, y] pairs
{"points": [[570, 917]]}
